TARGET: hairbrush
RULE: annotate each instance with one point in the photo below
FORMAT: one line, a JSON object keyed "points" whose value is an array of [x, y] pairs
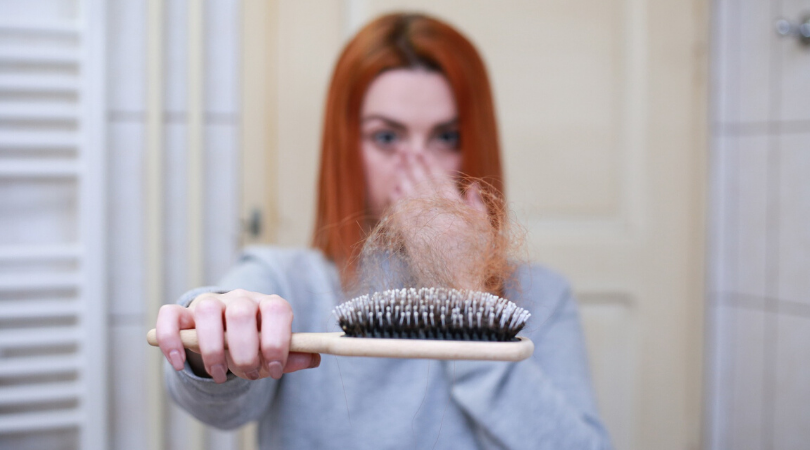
{"points": [[426, 323]]}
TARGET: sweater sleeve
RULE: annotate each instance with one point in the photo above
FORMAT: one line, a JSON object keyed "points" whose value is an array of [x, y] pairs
{"points": [[236, 401], [544, 402]]}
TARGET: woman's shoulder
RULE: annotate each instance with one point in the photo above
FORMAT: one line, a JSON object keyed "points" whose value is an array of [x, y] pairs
{"points": [[271, 254], [539, 279], [540, 289], [291, 261], [282, 268]]}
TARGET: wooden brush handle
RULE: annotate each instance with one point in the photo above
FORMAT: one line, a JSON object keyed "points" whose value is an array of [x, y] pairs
{"points": [[337, 344]]}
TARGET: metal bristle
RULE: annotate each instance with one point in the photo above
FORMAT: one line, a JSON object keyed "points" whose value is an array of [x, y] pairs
{"points": [[432, 313]]}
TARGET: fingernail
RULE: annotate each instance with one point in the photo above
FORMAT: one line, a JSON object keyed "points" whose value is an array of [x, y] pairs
{"points": [[176, 360], [316, 361], [253, 375], [276, 369], [218, 373]]}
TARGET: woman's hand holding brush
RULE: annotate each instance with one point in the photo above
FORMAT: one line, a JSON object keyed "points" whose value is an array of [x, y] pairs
{"points": [[259, 332]]}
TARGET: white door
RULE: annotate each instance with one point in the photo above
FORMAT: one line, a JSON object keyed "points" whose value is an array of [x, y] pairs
{"points": [[602, 114]]}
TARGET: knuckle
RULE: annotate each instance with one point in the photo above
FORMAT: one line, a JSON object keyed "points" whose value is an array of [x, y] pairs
{"points": [[240, 296], [240, 311], [164, 335], [209, 305], [276, 306], [205, 296], [168, 313]]}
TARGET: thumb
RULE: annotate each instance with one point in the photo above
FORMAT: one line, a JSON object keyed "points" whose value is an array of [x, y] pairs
{"points": [[474, 199]]}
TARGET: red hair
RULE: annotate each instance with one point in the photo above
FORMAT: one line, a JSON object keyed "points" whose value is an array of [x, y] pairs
{"points": [[390, 42]]}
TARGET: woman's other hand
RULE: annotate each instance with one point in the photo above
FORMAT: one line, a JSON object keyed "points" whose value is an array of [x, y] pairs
{"points": [[443, 229], [259, 332], [421, 176]]}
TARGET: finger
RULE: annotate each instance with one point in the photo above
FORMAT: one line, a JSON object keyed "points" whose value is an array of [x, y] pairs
{"points": [[441, 180], [298, 361], [211, 337], [406, 170], [243, 335], [431, 166], [277, 317], [415, 180], [396, 194], [406, 187], [418, 172], [171, 319], [474, 199]]}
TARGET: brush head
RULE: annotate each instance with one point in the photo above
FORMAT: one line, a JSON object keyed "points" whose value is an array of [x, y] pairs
{"points": [[432, 313]]}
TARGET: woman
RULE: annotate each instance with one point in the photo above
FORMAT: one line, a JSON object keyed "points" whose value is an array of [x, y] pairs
{"points": [[409, 109]]}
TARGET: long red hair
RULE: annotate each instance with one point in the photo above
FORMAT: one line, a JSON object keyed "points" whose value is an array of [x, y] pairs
{"points": [[390, 42]]}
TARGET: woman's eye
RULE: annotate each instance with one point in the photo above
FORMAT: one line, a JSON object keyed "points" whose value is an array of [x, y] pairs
{"points": [[448, 139], [384, 138]]}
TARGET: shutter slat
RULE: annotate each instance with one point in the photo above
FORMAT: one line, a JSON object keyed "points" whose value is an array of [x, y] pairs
{"points": [[67, 29], [39, 83], [51, 140], [40, 365], [38, 55], [21, 253], [40, 421], [38, 309], [25, 282], [33, 169], [39, 393], [38, 337], [38, 111]]}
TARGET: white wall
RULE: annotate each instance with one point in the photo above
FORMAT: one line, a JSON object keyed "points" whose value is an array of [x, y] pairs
{"points": [[129, 129], [760, 281]]}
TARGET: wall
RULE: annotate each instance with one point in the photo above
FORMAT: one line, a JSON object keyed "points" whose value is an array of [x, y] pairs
{"points": [[760, 282], [167, 107]]}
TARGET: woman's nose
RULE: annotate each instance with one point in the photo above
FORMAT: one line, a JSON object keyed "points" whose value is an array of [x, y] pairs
{"points": [[414, 146]]}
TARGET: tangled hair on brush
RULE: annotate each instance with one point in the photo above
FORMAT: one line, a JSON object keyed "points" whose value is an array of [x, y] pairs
{"points": [[444, 243]]}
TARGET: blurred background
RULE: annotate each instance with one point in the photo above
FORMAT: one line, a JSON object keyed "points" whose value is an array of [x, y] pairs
{"points": [[657, 152]]}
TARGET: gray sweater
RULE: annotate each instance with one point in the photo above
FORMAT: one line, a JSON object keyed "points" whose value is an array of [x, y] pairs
{"points": [[545, 402]]}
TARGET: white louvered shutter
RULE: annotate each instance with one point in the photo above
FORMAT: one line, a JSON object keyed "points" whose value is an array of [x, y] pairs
{"points": [[52, 208]]}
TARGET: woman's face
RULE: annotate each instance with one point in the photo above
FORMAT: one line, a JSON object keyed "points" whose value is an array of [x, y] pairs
{"points": [[408, 123]]}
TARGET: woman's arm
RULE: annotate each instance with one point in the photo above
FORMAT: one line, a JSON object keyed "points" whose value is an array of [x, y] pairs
{"points": [[233, 401], [545, 402]]}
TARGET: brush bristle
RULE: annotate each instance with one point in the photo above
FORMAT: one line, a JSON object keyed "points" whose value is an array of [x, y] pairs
{"points": [[432, 313]]}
